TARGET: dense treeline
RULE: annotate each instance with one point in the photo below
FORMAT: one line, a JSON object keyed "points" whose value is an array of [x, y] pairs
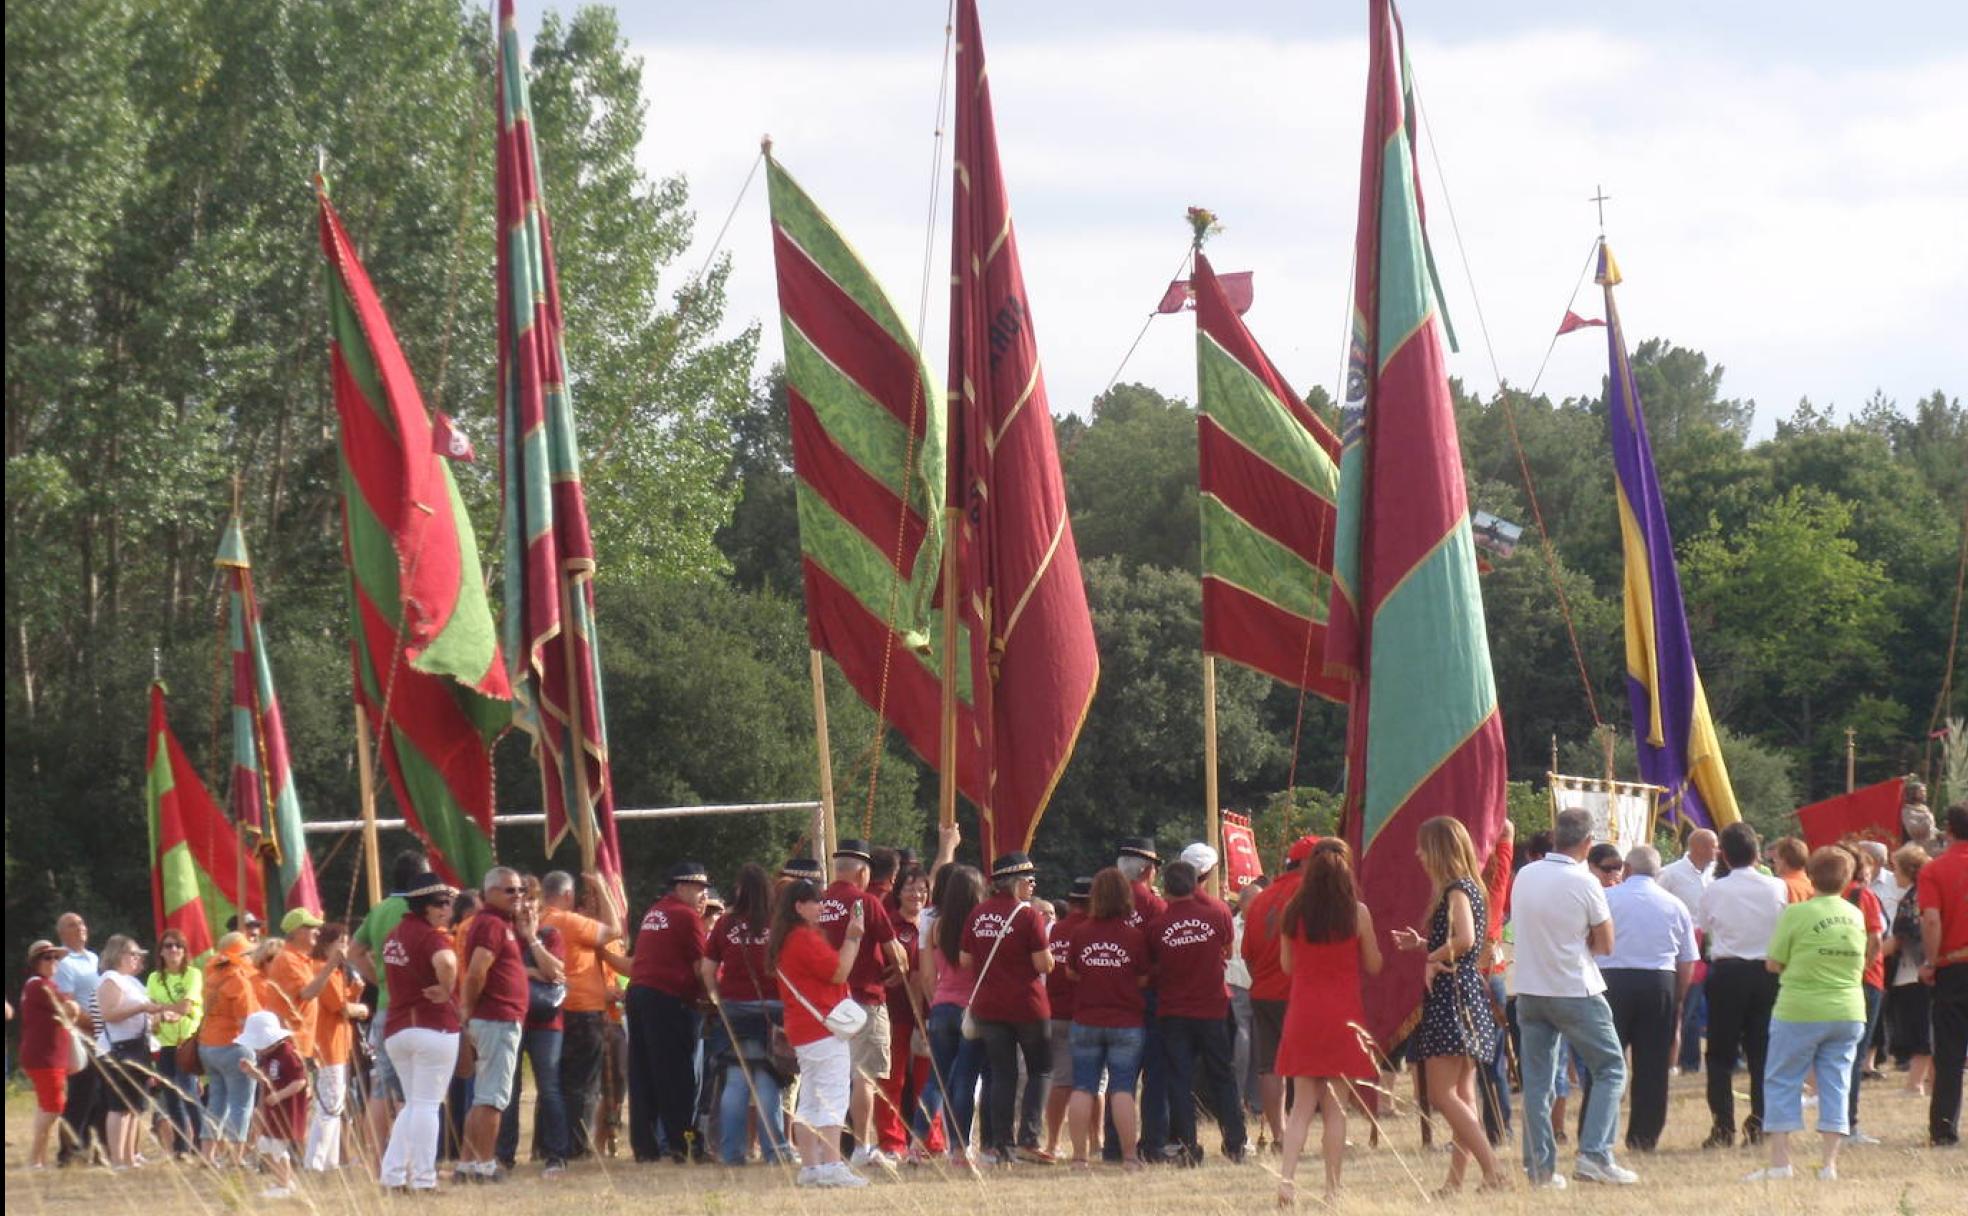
{"points": [[165, 352]]}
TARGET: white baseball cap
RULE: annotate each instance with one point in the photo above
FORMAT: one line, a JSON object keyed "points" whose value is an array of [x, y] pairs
{"points": [[1201, 856]]}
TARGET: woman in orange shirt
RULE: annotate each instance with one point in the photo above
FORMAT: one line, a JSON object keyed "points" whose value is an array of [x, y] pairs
{"points": [[334, 1037], [229, 999]]}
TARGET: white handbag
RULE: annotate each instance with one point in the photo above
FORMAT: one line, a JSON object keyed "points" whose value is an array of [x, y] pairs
{"points": [[843, 1021], [969, 1024]]}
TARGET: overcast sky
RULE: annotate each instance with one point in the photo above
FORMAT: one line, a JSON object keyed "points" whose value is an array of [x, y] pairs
{"points": [[1788, 181]]}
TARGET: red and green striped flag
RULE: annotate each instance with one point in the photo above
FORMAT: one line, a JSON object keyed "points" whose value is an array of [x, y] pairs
{"points": [[262, 776], [427, 668], [868, 456], [1424, 736], [551, 644], [1269, 475], [1022, 595], [195, 864]]}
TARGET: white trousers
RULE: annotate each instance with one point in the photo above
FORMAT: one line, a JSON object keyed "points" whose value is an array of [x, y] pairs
{"points": [[424, 1060], [324, 1137], [823, 1089]]}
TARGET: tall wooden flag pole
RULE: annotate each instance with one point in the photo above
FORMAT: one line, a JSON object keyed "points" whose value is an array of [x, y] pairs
{"points": [[1213, 810], [946, 793], [823, 842], [365, 773]]}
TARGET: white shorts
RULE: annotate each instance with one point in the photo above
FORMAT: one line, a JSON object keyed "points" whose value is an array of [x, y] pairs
{"points": [[824, 1067]]}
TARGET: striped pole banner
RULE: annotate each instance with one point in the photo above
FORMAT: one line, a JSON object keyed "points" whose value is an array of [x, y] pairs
{"points": [[427, 667], [194, 851], [868, 455], [1269, 477], [1424, 734], [261, 770]]}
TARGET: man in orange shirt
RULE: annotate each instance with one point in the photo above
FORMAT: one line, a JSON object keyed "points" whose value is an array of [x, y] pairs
{"points": [[1270, 986], [585, 1011], [1943, 895], [294, 982]]}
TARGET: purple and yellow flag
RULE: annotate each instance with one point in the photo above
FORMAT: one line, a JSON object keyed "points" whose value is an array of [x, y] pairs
{"points": [[427, 668], [1424, 735], [550, 640], [1674, 734], [262, 776]]}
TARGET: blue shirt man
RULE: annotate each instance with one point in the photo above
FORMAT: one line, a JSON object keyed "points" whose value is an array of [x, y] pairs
{"points": [[1647, 976]]}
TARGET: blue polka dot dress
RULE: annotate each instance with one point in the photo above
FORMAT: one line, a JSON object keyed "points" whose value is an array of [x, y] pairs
{"points": [[1455, 1013]]}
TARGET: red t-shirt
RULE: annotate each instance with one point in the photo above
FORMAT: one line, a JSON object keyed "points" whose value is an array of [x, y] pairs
{"points": [[1189, 944], [740, 956], [43, 1042], [667, 948], [1110, 959], [287, 1118], [407, 971], [1060, 987], [557, 946], [1944, 888], [1263, 924], [806, 969], [1875, 922], [503, 998], [1010, 989], [901, 1014], [836, 905], [1148, 907]]}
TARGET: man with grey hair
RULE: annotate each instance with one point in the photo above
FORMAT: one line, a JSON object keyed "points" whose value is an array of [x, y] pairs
{"points": [[1561, 919], [1647, 977], [493, 996]]}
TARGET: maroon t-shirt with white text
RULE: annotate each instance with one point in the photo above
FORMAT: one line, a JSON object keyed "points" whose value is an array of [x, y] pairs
{"points": [[1190, 944], [1110, 959], [668, 944], [1010, 989], [864, 979]]}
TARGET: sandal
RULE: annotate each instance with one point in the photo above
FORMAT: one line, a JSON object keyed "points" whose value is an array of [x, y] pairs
{"points": [[1080, 1165]]}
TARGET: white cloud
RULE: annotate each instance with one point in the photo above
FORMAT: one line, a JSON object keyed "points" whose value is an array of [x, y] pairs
{"points": [[1802, 225]]}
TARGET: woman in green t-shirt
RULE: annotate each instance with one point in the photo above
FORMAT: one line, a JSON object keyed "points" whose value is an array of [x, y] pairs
{"points": [[1818, 953], [178, 983]]}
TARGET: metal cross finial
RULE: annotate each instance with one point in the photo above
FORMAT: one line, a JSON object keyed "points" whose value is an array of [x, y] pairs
{"points": [[1601, 198]]}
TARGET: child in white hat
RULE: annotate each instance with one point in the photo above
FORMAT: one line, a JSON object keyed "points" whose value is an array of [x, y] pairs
{"points": [[282, 1077]]}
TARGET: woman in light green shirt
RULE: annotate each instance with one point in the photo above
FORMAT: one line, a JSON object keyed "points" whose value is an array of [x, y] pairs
{"points": [[177, 978], [1818, 952]]}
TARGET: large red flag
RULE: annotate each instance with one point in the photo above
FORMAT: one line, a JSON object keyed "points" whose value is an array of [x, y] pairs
{"points": [[1872, 813], [1424, 735], [1021, 592], [195, 866], [550, 638]]}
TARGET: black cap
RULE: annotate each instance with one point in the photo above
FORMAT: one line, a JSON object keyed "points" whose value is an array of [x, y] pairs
{"points": [[1139, 846], [803, 867], [1082, 889], [426, 884], [858, 850], [689, 871], [1011, 865]]}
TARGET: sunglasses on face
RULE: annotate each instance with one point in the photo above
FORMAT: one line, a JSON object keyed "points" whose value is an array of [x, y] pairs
{"points": [[1613, 869], [170, 946]]}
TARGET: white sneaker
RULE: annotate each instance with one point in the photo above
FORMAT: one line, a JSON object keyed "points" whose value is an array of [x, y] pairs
{"points": [[1556, 1182], [1828, 1173], [1859, 1137], [1771, 1173], [277, 1192], [808, 1176], [863, 1154], [839, 1175], [1612, 1172]]}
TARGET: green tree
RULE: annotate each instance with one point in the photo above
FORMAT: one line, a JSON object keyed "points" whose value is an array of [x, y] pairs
{"points": [[1131, 480]]}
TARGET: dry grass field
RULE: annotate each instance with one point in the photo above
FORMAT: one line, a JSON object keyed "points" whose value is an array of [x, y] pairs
{"points": [[1897, 1177]]}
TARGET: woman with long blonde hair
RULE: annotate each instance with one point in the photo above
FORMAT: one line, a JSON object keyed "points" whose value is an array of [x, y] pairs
{"points": [[1456, 1028]]}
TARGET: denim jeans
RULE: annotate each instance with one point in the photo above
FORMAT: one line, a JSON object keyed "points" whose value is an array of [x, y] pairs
{"points": [[1114, 1050], [1152, 1101], [550, 1140], [1243, 1056], [177, 1099], [1493, 1078], [1586, 1022], [1694, 1024], [751, 1022], [1004, 1044], [1188, 1042], [1874, 997], [953, 1085], [229, 1100], [1796, 1049]]}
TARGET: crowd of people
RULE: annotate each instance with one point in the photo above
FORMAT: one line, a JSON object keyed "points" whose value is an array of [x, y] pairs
{"points": [[882, 1011]]}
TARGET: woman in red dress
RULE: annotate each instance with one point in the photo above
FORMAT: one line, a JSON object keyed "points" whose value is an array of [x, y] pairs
{"points": [[1327, 943]]}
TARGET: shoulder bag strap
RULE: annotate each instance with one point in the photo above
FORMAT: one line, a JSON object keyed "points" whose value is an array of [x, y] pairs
{"points": [[800, 996], [999, 941]]}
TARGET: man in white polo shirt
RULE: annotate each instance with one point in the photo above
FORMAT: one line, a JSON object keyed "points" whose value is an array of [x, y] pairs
{"points": [[1739, 912], [1559, 913]]}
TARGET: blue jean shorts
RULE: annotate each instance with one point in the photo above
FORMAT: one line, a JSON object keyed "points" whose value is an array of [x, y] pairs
{"points": [[1113, 1050], [497, 1044]]}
